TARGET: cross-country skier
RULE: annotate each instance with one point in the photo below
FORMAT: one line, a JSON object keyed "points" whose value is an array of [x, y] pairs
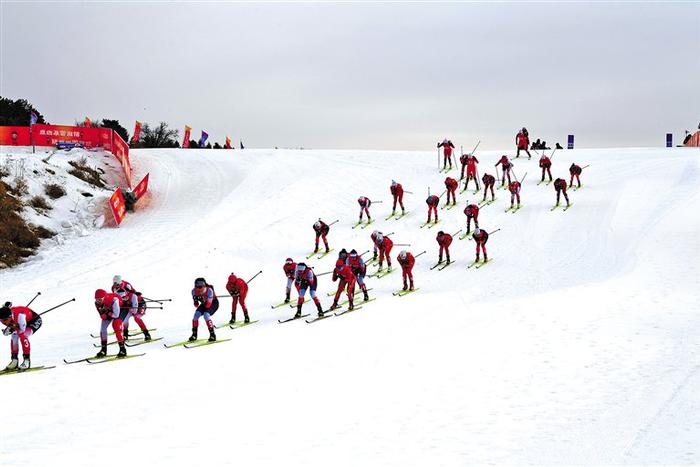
{"points": [[469, 161], [383, 245], [522, 140], [514, 188], [506, 165], [489, 182], [472, 212], [447, 148], [451, 184], [364, 203], [21, 323], [238, 289], [347, 282], [546, 165], [444, 241], [480, 237], [108, 305], [406, 260], [289, 268], [560, 187], [322, 229], [432, 201], [206, 303], [359, 269], [575, 171], [133, 306], [397, 193], [305, 278], [343, 254]]}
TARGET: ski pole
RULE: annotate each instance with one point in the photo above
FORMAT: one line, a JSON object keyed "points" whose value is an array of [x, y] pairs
{"points": [[390, 233], [323, 273], [256, 275], [455, 234], [153, 307], [376, 202], [421, 253], [154, 300], [442, 194], [30, 301], [521, 181], [364, 253], [438, 157], [477, 145], [57, 306], [585, 166], [402, 244], [409, 192], [494, 231], [552, 156], [334, 222]]}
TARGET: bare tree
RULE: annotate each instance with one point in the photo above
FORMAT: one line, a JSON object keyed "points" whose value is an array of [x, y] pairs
{"points": [[159, 137]]}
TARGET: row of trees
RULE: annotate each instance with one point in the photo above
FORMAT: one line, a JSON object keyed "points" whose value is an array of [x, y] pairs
{"points": [[18, 113]]}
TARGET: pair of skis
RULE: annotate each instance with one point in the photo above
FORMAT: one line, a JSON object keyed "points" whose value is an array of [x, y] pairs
{"points": [[430, 225], [397, 216], [28, 370], [108, 358], [401, 293], [565, 208], [514, 209], [478, 265], [362, 225], [441, 265], [196, 343], [320, 255]]}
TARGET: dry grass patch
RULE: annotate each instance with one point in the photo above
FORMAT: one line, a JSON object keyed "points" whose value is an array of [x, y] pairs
{"points": [[54, 191]]}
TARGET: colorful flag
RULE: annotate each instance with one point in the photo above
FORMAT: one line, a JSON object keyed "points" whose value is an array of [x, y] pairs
{"points": [[137, 132], [203, 140], [228, 143], [186, 139], [33, 118], [87, 122]]}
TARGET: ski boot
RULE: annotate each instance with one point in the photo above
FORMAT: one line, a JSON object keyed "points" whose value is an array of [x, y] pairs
{"points": [[298, 313], [440, 260], [122, 350], [411, 288], [247, 318], [212, 335], [320, 310], [146, 335], [393, 211], [13, 363], [403, 212], [366, 295], [477, 259], [316, 249], [486, 258], [388, 270], [405, 286], [334, 305], [193, 337], [232, 320], [103, 351], [125, 333], [448, 260], [327, 250], [286, 300], [351, 306], [26, 363]]}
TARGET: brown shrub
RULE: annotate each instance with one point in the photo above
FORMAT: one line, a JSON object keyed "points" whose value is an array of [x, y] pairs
{"points": [[39, 203], [19, 187], [54, 191], [17, 239], [87, 174], [42, 232]]}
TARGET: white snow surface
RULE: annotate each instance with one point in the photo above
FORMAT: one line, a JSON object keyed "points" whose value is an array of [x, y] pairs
{"points": [[579, 344]]}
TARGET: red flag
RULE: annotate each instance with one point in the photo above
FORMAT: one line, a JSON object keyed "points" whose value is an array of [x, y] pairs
{"points": [[137, 132], [186, 139], [116, 203], [228, 143], [142, 187]]}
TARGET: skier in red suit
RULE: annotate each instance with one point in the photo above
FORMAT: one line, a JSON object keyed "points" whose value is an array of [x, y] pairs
{"points": [[432, 201], [575, 171], [406, 260], [238, 289], [489, 182], [364, 203], [451, 184], [305, 278], [546, 165], [470, 162], [21, 323], [347, 282], [560, 187], [289, 268], [444, 241], [383, 245], [480, 236], [134, 306], [322, 229], [522, 140], [397, 193], [514, 188], [108, 305], [359, 269], [506, 165], [472, 212], [447, 148]]}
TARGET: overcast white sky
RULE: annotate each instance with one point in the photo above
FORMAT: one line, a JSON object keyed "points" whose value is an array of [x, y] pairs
{"points": [[380, 75]]}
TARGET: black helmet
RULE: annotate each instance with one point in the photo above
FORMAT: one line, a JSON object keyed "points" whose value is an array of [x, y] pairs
{"points": [[353, 251], [5, 312], [200, 282]]}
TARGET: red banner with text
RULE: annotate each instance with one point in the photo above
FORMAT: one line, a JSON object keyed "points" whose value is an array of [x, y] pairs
{"points": [[121, 152], [15, 136], [89, 137], [117, 205], [141, 188]]}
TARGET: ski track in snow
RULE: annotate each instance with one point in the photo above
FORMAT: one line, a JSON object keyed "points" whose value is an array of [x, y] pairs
{"points": [[579, 344]]}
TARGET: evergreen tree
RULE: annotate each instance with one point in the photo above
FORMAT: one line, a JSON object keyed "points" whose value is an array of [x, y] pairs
{"points": [[17, 112]]}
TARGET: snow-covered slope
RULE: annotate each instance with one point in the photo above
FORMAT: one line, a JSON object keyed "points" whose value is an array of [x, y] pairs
{"points": [[578, 344]]}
